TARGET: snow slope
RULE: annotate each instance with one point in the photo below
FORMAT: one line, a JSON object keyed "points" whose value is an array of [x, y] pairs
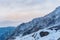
{"points": [[53, 35]]}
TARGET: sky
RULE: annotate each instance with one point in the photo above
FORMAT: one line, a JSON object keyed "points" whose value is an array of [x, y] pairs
{"points": [[15, 12]]}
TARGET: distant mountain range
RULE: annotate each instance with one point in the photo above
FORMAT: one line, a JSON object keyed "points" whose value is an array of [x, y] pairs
{"points": [[50, 21], [5, 31]]}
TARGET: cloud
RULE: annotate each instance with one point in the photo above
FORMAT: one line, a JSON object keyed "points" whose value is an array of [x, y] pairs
{"points": [[24, 10]]}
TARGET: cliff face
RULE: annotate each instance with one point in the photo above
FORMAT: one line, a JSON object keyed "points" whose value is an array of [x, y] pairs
{"points": [[51, 20]]}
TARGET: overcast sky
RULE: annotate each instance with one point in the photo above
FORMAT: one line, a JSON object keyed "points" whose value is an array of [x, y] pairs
{"points": [[14, 12]]}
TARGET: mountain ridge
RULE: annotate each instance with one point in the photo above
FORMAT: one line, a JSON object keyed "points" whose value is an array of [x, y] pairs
{"points": [[5, 31], [37, 24]]}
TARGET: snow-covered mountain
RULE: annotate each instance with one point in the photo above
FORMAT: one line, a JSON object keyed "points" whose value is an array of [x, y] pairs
{"points": [[49, 23], [42, 35]]}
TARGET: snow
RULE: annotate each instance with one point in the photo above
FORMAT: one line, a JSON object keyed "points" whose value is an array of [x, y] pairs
{"points": [[53, 35]]}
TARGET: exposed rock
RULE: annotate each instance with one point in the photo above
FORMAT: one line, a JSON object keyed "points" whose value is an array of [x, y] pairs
{"points": [[42, 34]]}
